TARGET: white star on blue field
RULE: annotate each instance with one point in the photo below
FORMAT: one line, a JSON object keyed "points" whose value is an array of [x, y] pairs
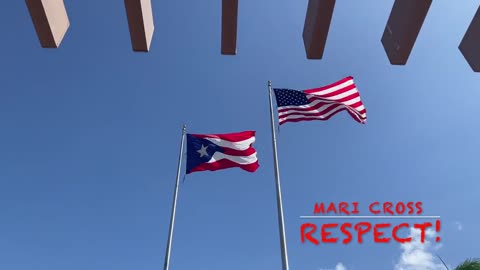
{"points": [[203, 151], [90, 138]]}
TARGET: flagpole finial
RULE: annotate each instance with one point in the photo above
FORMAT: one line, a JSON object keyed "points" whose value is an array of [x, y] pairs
{"points": [[184, 128], [269, 83]]}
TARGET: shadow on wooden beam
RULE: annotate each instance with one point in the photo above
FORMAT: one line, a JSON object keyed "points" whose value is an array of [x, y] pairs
{"points": [[50, 20], [402, 29], [470, 45], [229, 27], [140, 23], [317, 24]]}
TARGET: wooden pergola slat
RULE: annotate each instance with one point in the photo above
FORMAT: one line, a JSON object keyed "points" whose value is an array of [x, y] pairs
{"points": [[140, 24], [317, 24], [229, 27], [402, 29], [470, 45], [50, 20]]}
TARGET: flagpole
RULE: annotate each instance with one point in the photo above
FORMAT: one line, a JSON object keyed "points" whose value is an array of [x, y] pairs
{"points": [[174, 206], [281, 222]]}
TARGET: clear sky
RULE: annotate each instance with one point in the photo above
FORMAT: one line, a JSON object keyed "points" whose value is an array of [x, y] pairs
{"points": [[90, 133]]}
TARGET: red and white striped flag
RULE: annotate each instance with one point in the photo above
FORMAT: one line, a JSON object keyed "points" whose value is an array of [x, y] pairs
{"points": [[211, 152], [320, 103]]}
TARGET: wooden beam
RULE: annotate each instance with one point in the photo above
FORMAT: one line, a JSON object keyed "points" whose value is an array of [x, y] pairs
{"points": [[140, 24], [317, 24], [229, 27], [402, 29], [50, 20], [470, 45]]}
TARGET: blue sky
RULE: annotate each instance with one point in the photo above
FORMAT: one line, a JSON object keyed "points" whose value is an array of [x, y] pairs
{"points": [[90, 136]]}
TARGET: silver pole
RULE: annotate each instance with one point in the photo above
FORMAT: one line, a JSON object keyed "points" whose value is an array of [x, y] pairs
{"points": [[444, 264], [281, 222], [174, 206]]}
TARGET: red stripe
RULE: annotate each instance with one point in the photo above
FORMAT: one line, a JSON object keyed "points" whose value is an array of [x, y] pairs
{"points": [[323, 112], [327, 101], [334, 93], [356, 118], [313, 119], [356, 105], [307, 109], [324, 102], [346, 79], [232, 137], [240, 153], [343, 99], [225, 164]]}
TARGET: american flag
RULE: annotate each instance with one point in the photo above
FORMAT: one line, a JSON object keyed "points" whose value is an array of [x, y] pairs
{"points": [[320, 103]]}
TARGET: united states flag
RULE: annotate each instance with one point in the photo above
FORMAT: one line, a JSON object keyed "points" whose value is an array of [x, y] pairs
{"points": [[320, 103]]}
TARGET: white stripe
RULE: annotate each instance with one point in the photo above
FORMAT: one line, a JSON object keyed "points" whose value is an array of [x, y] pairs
{"points": [[242, 160], [316, 101], [336, 97], [356, 112], [323, 116], [241, 145], [321, 109], [333, 89], [313, 116]]}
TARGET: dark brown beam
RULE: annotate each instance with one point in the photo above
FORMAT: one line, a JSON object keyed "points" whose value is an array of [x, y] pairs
{"points": [[402, 29], [229, 27], [317, 25], [470, 45], [50, 20], [140, 24]]}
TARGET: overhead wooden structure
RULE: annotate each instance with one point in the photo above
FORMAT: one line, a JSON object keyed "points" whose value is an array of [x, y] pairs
{"points": [[317, 25], [229, 27], [470, 45], [406, 18], [50, 20], [140, 24], [402, 29]]}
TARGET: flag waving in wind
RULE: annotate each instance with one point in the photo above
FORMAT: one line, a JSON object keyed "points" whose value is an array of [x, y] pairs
{"points": [[320, 103], [211, 152]]}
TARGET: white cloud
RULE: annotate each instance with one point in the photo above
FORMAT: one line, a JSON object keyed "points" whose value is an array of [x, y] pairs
{"points": [[340, 266], [419, 256], [459, 225]]}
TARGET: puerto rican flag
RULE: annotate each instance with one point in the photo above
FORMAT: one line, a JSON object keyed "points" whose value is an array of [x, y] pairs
{"points": [[211, 152]]}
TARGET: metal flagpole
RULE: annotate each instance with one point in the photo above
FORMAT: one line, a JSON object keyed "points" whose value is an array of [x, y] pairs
{"points": [[443, 262], [174, 206], [281, 222]]}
